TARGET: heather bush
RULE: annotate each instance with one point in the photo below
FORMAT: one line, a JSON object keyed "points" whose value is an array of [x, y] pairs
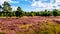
{"points": [[45, 28], [48, 28]]}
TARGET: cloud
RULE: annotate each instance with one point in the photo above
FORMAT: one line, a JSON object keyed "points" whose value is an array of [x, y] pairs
{"points": [[46, 4], [14, 8], [57, 0], [2, 1], [10, 1]]}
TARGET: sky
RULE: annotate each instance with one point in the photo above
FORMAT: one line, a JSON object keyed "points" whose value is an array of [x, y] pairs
{"points": [[34, 5]]}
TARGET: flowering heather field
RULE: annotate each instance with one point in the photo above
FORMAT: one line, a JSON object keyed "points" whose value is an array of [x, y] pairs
{"points": [[30, 25]]}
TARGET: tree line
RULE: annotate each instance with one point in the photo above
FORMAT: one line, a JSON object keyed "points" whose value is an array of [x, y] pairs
{"points": [[7, 11]]}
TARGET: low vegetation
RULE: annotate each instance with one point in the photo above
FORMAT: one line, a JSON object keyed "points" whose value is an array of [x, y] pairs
{"points": [[46, 28], [30, 25]]}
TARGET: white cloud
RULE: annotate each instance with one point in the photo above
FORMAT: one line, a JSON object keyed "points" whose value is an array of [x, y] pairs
{"points": [[52, 5], [2, 1], [57, 0], [10, 1], [14, 8], [34, 4]]}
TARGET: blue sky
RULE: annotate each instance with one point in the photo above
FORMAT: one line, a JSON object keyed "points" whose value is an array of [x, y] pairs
{"points": [[34, 5]]}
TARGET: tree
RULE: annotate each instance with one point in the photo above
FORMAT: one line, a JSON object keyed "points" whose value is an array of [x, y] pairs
{"points": [[19, 12], [32, 14], [55, 12], [7, 8], [0, 7], [0, 10]]}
